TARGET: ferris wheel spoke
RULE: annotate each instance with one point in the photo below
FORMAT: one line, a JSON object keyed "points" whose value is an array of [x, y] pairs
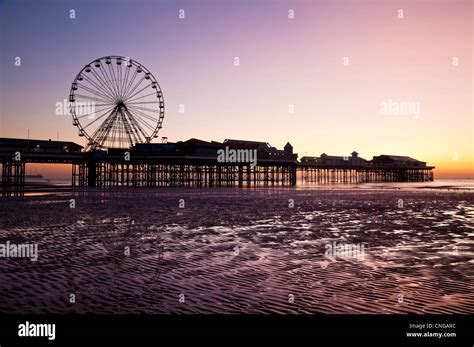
{"points": [[131, 133], [108, 81], [134, 122], [118, 74], [109, 113], [93, 112], [108, 104], [97, 134], [99, 89], [142, 102], [119, 78], [133, 83], [148, 126], [151, 128], [98, 86], [89, 98], [122, 131], [116, 133], [125, 80], [140, 116], [105, 130], [133, 87], [92, 91], [105, 136], [142, 113], [144, 122], [118, 127], [141, 90], [112, 77], [129, 85], [146, 109], [141, 97], [127, 96], [125, 74], [138, 131], [103, 83]]}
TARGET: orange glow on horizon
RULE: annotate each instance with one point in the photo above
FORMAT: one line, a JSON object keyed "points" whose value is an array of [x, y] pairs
{"points": [[443, 170]]}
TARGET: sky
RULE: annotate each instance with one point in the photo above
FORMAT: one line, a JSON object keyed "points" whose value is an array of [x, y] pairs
{"points": [[331, 79]]}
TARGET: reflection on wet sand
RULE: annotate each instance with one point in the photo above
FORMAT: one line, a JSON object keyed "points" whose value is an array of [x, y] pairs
{"points": [[136, 251]]}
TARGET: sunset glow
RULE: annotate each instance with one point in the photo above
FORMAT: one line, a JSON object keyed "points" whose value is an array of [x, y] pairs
{"points": [[318, 80]]}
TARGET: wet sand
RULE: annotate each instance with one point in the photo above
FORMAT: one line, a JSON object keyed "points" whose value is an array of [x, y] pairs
{"points": [[418, 257]]}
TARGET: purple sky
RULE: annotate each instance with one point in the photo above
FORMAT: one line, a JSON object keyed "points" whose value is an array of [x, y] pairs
{"points": [[283, 62]]}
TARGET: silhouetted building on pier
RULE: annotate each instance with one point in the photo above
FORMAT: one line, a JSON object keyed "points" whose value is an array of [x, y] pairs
{"points": [[199, 148], [38, 146], [396, 160], [332, 160]]}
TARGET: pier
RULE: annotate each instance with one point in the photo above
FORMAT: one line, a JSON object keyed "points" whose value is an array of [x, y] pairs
{"points": [[194, 163], [353, 169]]}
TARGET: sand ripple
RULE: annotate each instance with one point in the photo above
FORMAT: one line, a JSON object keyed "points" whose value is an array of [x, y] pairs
{"points": [[418, 259]]}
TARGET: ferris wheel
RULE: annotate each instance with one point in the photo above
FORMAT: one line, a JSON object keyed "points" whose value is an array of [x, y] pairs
{"points": [[115, 102]]}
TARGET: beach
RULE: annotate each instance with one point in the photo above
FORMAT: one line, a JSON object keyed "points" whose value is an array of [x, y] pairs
{"points": [[253, 251]]}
